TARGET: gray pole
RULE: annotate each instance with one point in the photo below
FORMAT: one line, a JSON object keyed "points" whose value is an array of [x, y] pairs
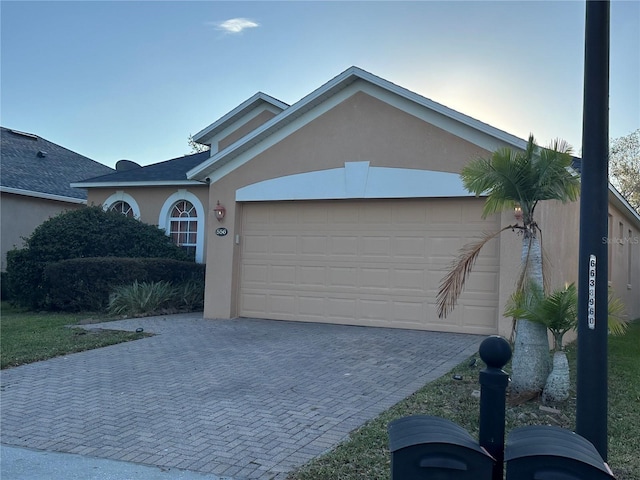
{"points": [[591, 403]]}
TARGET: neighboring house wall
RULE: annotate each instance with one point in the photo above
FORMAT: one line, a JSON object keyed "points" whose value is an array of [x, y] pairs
{"points": [[21, 214], [623, 250], [154, 203]]}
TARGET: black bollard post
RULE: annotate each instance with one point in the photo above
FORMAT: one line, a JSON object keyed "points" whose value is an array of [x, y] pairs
{"points": [[495, 352]]}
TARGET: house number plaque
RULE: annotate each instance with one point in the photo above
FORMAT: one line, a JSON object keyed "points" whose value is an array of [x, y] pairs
{"points": [[221, 232], [591, 315]]}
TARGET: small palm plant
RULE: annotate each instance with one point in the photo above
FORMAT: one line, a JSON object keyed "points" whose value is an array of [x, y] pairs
{"points": [[558, 312]]}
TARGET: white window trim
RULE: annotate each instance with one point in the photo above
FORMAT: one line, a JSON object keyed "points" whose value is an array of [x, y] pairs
{"points": [[121, 196], [164, 220]]}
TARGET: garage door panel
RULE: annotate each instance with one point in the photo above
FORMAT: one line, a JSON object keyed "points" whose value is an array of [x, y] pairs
{"points": [[375, 246], [343, 276], [255, 274], [282, 244], [343, 246], [374, 277], [311, 275], [408, 280], [376, 262]]}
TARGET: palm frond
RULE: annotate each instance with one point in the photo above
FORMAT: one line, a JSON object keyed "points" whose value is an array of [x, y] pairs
{"points": [[453, 283], [616, 321]]}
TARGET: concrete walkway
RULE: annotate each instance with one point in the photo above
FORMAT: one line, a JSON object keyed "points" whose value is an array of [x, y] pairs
{"points": [[240, 399]]}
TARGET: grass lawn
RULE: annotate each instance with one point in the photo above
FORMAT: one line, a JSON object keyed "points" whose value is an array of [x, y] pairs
{"points": [[27, 337], [365, 454]]}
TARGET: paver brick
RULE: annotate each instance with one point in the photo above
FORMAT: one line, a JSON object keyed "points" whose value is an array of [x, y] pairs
{"points": [[244, 398]]}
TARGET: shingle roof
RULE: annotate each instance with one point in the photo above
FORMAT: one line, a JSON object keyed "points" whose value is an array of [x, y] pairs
{"points": [[33, 164], [174, 170]]}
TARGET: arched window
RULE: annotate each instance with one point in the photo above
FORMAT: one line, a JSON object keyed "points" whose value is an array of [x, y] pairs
{"points": [[123, 208], [182, 217], [183, 226], [123, 203]]}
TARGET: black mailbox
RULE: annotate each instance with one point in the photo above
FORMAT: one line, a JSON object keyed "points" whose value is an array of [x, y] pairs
{"points": [[552, 453], [426, 447]]}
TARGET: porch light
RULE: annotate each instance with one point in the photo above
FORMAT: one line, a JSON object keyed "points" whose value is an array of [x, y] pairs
{"points": [[517, 212], [220, 211]]}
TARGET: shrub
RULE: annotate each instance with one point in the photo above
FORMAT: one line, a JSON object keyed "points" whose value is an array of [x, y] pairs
{"points": [[84, 233], [86, 283], [141, 298], [156, 297], [190, 295]]}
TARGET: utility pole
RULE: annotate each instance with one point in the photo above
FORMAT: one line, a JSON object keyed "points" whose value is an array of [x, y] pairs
{"points": [[591, 407]]}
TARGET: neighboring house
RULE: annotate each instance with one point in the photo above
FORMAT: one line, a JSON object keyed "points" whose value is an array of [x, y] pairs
{"points": [[35, 184], [347, 207]]}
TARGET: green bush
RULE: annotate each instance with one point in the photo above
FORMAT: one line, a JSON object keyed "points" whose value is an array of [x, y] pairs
{"points": [[141, 298], [156, 297], [84, 233], [4, 291], [86, 283]]}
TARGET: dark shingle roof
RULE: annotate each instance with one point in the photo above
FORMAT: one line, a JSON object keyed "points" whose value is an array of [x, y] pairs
{"points": [[168, 171], [31, 163]]}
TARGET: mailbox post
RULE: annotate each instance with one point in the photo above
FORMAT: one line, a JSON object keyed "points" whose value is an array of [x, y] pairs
{"points": [[495, 352]]}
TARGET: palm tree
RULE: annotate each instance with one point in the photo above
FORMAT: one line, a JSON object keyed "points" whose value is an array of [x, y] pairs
{"points": [[511, 178], [558, 312]]}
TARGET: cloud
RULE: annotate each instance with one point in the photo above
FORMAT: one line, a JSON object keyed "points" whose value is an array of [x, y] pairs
{"points": [[235, 25]]}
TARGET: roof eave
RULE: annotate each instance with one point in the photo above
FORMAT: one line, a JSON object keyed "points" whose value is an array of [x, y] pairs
{"points": [[43, 195], [159, 183], [623, 205], [334, 85], [236, 113]]}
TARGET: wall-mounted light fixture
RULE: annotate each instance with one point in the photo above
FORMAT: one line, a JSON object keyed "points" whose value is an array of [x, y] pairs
{"points": [[517, 212], [220, 211]]}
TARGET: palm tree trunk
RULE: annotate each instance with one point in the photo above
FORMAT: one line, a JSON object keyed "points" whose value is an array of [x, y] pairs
{"points": [[531, 359]]}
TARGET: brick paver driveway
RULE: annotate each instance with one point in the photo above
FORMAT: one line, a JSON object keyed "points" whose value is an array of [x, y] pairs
{"points": [[242, 398]]}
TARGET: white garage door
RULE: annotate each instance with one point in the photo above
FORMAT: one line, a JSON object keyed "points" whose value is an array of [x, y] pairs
{"points": [[365, 262]]}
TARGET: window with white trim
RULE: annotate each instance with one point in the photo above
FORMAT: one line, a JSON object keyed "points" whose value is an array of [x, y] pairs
{"points": [[182, 217], [122, 207], [183, 226], [123, 203]]}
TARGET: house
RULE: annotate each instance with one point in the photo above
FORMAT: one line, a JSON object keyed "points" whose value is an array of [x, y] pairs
{"points": [[35, 184], [346, 207]]}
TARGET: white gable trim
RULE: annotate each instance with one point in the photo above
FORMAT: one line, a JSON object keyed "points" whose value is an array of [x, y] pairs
{"points": [[239, 112], [356, 180], [329, 95]]}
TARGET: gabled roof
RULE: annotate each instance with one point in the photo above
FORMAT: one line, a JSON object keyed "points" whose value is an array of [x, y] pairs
{"points": [[169, 172], [331, 88], [37, 167], [237, 113]]}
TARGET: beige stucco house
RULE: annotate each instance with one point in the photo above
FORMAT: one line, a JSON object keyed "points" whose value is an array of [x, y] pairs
{"points": [[35, 182], [346, 207]]}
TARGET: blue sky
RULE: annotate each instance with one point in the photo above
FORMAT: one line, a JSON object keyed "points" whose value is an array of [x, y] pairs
{"points": [[120, 79]]}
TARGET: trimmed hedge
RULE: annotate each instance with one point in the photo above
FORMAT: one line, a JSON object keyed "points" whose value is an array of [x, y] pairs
{"points": [[86, 283], [85, 233]]}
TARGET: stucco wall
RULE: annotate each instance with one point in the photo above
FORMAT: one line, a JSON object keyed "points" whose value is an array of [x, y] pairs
{"points": [[21, 215], [623, 247], [362, 128], [151, 200]]}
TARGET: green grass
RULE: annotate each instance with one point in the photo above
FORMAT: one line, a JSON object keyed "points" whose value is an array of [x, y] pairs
{"points": [[27, 337], [365, 456]]}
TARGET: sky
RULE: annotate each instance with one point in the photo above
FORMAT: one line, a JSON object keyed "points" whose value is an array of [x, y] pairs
{"points": [[132, 80]]}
